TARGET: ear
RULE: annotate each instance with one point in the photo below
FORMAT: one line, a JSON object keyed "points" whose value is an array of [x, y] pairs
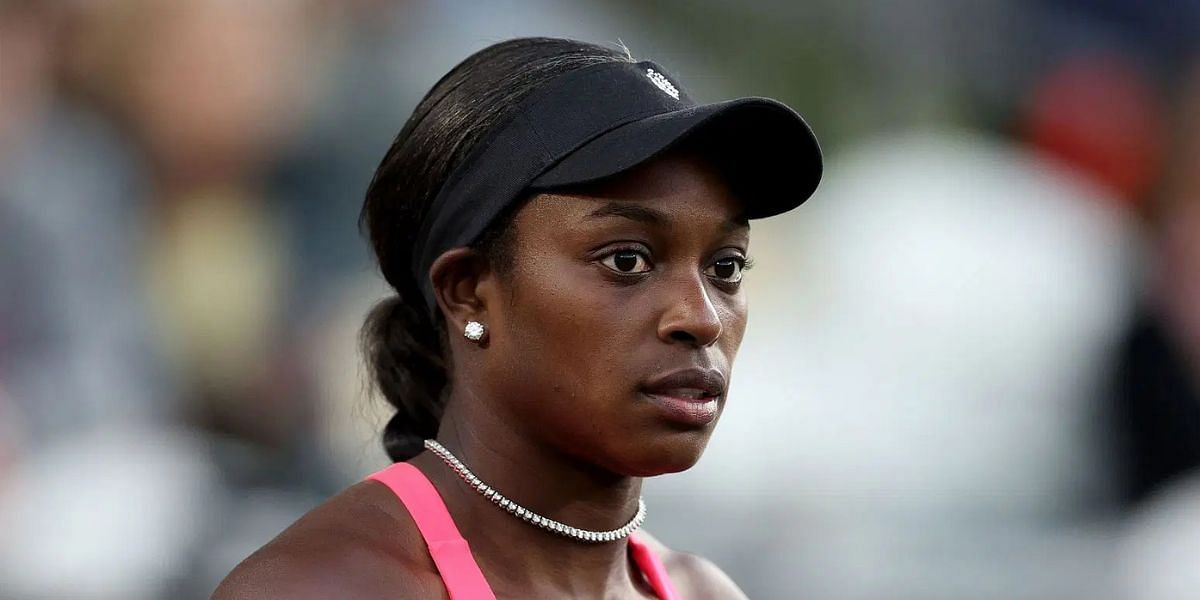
{"points": [[460, 278]]}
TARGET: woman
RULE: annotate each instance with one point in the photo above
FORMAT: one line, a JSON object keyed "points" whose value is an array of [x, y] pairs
{"points": [[566, 232]]}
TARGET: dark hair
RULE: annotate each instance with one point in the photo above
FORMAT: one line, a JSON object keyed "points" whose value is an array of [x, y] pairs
{"points": [[400, 340]]}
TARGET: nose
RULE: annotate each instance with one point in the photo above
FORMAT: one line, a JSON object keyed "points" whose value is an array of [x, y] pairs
{"points": [[690, 316]]}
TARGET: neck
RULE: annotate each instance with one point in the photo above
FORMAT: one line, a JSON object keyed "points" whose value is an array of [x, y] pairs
{"points": [[551, 484]]}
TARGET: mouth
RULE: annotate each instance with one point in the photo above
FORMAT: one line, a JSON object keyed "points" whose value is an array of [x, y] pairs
{"points": [[687, 393], [689, 396]]}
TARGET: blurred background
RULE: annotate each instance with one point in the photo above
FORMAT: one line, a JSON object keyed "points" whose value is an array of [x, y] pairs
{"points": [[973, 363]]}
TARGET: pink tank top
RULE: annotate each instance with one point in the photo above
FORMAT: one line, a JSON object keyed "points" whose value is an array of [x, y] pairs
{"points": [[459, 571]]}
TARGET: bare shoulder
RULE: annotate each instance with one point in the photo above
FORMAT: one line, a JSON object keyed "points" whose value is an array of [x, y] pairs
{"points": [[694, 576], [357, 544]]}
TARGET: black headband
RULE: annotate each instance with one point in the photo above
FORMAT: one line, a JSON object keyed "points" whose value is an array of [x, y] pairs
{"points": [[584, 125]]}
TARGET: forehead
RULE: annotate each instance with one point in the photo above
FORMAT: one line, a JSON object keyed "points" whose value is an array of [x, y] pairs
{"points": [[683, 186]]}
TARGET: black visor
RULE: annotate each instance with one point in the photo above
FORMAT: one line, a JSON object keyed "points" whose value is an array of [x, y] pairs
{"points": [[603, 120]]}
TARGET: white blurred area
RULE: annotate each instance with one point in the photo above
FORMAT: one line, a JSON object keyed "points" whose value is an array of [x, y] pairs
{"points": [[1160, 545], [102, 515], [923, 407]]}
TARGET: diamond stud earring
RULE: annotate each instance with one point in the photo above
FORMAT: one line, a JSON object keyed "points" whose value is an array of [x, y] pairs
{"points": [[474, 331]]}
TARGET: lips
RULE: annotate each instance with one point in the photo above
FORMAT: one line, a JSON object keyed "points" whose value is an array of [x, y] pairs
{"points": [[689, 396], [694, 383]]}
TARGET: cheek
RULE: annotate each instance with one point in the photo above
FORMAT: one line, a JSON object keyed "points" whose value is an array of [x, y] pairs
{"points": [[734, 314], [568, 335]]}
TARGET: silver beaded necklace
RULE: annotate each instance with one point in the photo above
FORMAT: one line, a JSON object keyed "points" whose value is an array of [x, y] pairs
{"points": [[529, 516]]}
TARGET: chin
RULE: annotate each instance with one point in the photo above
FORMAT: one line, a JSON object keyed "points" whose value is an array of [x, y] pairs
{"points": [[667, 452]]}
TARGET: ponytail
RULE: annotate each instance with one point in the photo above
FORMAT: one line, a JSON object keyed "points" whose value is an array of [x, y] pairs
{"points": [[404, 354]]}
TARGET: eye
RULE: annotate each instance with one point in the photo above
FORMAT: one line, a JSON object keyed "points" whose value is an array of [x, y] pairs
{"points": [[627, 261], [727, 270]]}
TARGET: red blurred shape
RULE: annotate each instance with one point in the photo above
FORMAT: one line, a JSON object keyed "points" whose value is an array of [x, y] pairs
{"points": [[1102, 116]]}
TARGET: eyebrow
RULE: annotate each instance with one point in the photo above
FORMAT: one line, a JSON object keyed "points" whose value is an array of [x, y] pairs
{"points": [[632, 212], [650, 216]]}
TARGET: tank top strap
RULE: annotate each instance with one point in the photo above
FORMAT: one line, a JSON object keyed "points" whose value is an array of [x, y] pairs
{"points": [[450, 552], [653, 568], [452, 555]]}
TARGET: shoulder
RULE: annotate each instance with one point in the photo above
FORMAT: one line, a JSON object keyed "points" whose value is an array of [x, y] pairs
{"points": [[694, 576], [358, 544]]}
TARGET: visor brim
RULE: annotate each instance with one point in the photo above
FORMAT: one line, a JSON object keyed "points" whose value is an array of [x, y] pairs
{"points": [[768, 153]]}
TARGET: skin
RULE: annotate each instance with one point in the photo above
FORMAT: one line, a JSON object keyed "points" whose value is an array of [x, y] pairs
{"points": [[609, 288]]}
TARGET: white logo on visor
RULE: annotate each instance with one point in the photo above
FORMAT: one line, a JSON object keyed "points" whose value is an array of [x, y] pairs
{"points": [[657, 79]]}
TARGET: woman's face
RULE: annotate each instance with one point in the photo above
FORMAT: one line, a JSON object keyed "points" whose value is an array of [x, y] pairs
{"points": [[613, 335]]}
